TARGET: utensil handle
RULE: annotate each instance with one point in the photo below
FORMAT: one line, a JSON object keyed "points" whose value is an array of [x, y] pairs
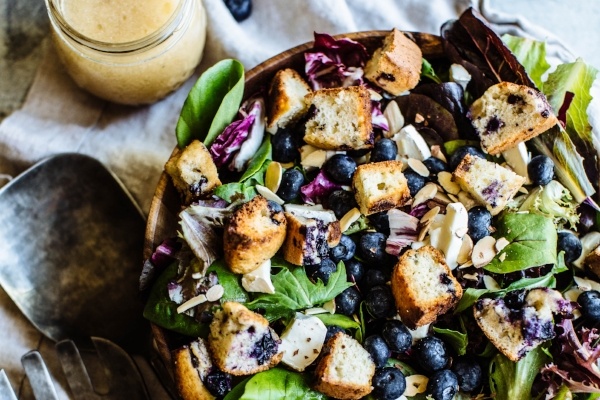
{"points": [[39, 377]]}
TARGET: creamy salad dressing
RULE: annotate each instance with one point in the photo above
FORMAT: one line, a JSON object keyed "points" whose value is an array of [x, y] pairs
{"points": [[149, 70]]}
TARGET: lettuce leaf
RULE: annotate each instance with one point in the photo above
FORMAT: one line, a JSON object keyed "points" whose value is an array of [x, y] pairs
{"points": [[513, 381], [531, 54], [276, 384], [294, 291]]}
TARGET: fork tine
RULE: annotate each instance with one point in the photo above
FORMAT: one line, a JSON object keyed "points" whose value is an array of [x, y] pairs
{"points": [[39, 377], [6, 391], [75, 371], [126, 381]]}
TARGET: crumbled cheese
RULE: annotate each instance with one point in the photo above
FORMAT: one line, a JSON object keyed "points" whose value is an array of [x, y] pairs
{"points": [[302, 341], [259, 280], [411, 144], [517, 158], [449, 238]]}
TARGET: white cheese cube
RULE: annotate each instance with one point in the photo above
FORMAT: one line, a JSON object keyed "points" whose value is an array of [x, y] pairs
{"points": [[302, 341], [259, 280], [454, 227], [517, 158], [411, 144]]}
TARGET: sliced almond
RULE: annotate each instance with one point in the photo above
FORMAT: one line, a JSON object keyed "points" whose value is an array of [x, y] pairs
{"points": [[214, 293], [418, 167], [431, 204], [490, 283], [419, 118], [374, 95], [288, 165], [466, 249], [471, 277], [268, 194], [523, 189], [424, 229], [415, 384], [330, 306], [349, 218], [193, 302], [427, 192], [314, 159], [484, 251], [466, 199], [429, 215], [394, 117], [468, 264], [273, 176], [453, 198], [315, 311], [445, 180], [501, 243], [502, 257], [442, 198], [436, 151]]}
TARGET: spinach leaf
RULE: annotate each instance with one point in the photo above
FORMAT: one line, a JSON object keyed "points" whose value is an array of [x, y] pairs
{"points": [[532, 242], [161, 311], [244, 190], [294, 291], [469, 297], [212, 103], [279, 384], [458, 340], [343, 322], [233, 290], [512, 381]]}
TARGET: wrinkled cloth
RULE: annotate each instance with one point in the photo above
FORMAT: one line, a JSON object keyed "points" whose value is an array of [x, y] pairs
{"points": [[135, 142]]}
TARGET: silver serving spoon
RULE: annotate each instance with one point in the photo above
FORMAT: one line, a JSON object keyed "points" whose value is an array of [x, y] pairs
{"points": [[71, 241]]}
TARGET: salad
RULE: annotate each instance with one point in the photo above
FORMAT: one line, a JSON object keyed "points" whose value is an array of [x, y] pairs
{"points": [[454, 257]]}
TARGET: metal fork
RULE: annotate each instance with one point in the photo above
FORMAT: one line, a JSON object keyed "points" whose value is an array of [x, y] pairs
{"points": [[38, 375], [6, 391]]}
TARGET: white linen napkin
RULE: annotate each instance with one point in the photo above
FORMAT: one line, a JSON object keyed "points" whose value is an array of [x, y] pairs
{"points": [[135, 142]]}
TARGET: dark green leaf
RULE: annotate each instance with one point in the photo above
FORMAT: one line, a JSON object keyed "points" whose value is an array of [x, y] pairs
{"points": [[279, 384], [406, 369], [513, 381], [294, 291], [161, 311], [457, 340], [259, 161], [344, 322], [359, 225], [231, 283], [532, 242], [212, 103], [469, 298]]}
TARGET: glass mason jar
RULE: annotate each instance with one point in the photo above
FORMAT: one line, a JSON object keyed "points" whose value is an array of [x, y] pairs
{"points": [[128, 51]]}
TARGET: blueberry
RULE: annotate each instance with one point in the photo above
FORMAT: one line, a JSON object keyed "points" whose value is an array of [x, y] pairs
{"points": [[285, 144], [460, 153], [380, 302], [397, 336], [384, 150], [344, 251], [435, 166], [240, 9], [381, 222], [442, 385], [415, 181], [431, 353], [321, 271], [570, 244], [348, 301], [218, 383], [340, 202], [515, 299], [291, 182], [388, 383], [590, 304], [372, 248], [332, 330], [274, 207], [340, 168], [540, 170], [480, 221], [355, 270], [469, 373], [378, 349], [373, 277]]}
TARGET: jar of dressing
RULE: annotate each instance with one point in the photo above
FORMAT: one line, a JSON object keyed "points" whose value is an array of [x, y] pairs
{"points": [[128, 51]]}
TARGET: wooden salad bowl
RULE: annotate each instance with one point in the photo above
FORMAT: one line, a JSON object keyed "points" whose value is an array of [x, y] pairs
{"points": [[162, 219]]}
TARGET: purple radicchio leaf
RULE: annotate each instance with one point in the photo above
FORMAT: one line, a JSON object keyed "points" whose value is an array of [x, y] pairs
{"points": [[575, 359], [231, 141], [403, 231], [318, 189], [377, 118], [164, 254], [562, 112], [335, 62]]}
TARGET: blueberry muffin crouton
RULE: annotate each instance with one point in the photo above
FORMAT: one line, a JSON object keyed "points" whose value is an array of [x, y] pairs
{"points": [[286, 99], [191, 365], [490, 184], [193, 171], [241, 341], [346, 369], [340, 119], [396, 66], [380, 186], [508, 114], [423, 286], [253, 235]]}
